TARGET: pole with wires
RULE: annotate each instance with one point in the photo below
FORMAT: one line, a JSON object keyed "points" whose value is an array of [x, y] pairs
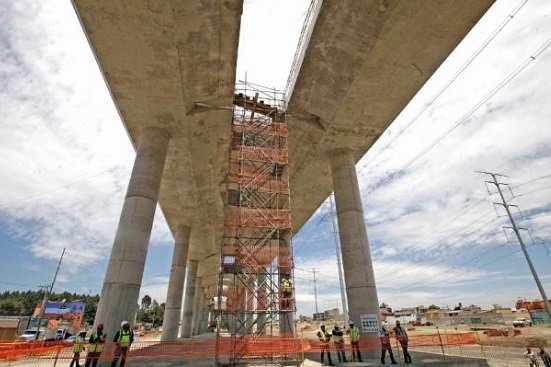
{"points": [[516, 229], [46, 294], [339, 263], [315, 290]]}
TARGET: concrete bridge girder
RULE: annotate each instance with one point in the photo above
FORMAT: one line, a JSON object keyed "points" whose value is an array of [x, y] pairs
{"points": [[164, 61]]}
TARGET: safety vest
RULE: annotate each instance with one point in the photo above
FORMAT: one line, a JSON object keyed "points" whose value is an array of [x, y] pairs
{"points": [[338, 338], [385, 337], [124, 338], [324, 337], [78, 345], [401, 334], [286, 285], [96, 346], [354, 334]]}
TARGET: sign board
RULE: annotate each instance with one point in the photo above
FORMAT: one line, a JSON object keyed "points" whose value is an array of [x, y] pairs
{"points": [[57, 308], [370, 323]]}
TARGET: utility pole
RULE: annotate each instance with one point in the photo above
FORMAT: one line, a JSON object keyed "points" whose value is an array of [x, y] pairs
{"points": [[315, 290], [46, 294], [339, 263], [497, 184]]}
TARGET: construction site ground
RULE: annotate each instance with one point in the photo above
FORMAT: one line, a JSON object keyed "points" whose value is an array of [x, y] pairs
{"points": [[491, 351]]}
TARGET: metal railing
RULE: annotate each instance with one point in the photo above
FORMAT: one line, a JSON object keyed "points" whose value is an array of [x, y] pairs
{"points": [[303, 41]]}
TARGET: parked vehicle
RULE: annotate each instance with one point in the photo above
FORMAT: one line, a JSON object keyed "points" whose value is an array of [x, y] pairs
{"points": [[522, 322], [30, 335]]}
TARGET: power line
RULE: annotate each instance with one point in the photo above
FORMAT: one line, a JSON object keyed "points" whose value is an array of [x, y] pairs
{"points": [[42, 193], [479, 104], [506, 206], [395, 173], [454, 77], [532, 180]]}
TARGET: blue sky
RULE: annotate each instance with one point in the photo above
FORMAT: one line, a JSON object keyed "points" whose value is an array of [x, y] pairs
{"points": [[65, 161]]}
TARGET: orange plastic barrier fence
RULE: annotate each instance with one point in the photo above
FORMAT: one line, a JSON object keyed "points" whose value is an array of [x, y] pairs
{"points": [[15, 350], [207, 348]]}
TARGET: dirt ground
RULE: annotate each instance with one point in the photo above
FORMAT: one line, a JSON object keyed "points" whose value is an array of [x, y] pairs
{"points": [[536, 336]]}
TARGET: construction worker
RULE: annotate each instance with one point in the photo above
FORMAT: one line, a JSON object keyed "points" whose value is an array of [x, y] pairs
{"points": [[384, 335], [354, 341], [95, 346], [78, 347], [545, 357], [123, 338], [286, 291], [338, 339], [324, 338], [402, 337]]}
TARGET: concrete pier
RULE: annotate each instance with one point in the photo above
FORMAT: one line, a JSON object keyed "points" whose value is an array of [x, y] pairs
{"points": [[197, 301], [187, 319], [361, 291], [173, 308], [121, 287]]}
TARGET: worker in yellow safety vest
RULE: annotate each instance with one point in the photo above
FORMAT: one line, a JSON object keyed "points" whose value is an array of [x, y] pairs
{"points": [[338, 339], [324, 338], [78, 346], [123, 338], [354, 341], [286, 291], [95, 346]]}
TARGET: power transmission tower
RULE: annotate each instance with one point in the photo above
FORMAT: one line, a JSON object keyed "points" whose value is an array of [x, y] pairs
{"points": [[315, 290], [516, 229]]}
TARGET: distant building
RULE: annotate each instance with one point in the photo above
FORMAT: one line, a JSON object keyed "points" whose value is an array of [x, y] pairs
{"points": [[12, 326], [332, 313], [320, 316]]}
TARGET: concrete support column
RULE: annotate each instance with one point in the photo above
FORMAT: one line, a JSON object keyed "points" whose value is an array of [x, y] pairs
{"points": [[287, 317], [250, 308], [261, 304], [205, 319], [197, 300], [187, 320], [356, 256], [173, 308], [121, 286]]}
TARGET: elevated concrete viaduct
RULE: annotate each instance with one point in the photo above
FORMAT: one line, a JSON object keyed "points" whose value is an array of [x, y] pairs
{"points": [[170, 68]]}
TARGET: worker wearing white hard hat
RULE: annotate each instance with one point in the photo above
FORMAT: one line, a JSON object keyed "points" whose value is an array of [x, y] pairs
{"points": [[123, 338]]}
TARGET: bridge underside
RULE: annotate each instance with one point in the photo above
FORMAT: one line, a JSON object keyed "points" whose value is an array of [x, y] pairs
{"points": [[170, 66]]}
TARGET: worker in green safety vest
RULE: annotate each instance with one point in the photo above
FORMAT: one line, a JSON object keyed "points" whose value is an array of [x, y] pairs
{"points": [[78, 347], [286, 291], [338, 339], [354, 333], [123, 338], [95, 346]]}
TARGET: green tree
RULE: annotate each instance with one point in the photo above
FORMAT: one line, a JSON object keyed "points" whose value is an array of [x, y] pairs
{"points": [[146, 302], [11, 307], [434, 307]]}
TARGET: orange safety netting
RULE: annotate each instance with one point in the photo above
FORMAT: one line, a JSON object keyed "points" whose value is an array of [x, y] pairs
{"points": [[16, 350], [275, 128], [255, 153], [259, 218], [206, 348], [254, 180]]}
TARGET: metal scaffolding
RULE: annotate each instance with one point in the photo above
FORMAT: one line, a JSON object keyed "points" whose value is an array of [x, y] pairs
{"points": [[255, 300]]}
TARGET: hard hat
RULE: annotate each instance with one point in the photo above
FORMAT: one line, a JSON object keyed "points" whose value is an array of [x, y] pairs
{"points": [[100, 326], [351, 322], [322, 325], [124, 323]]}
